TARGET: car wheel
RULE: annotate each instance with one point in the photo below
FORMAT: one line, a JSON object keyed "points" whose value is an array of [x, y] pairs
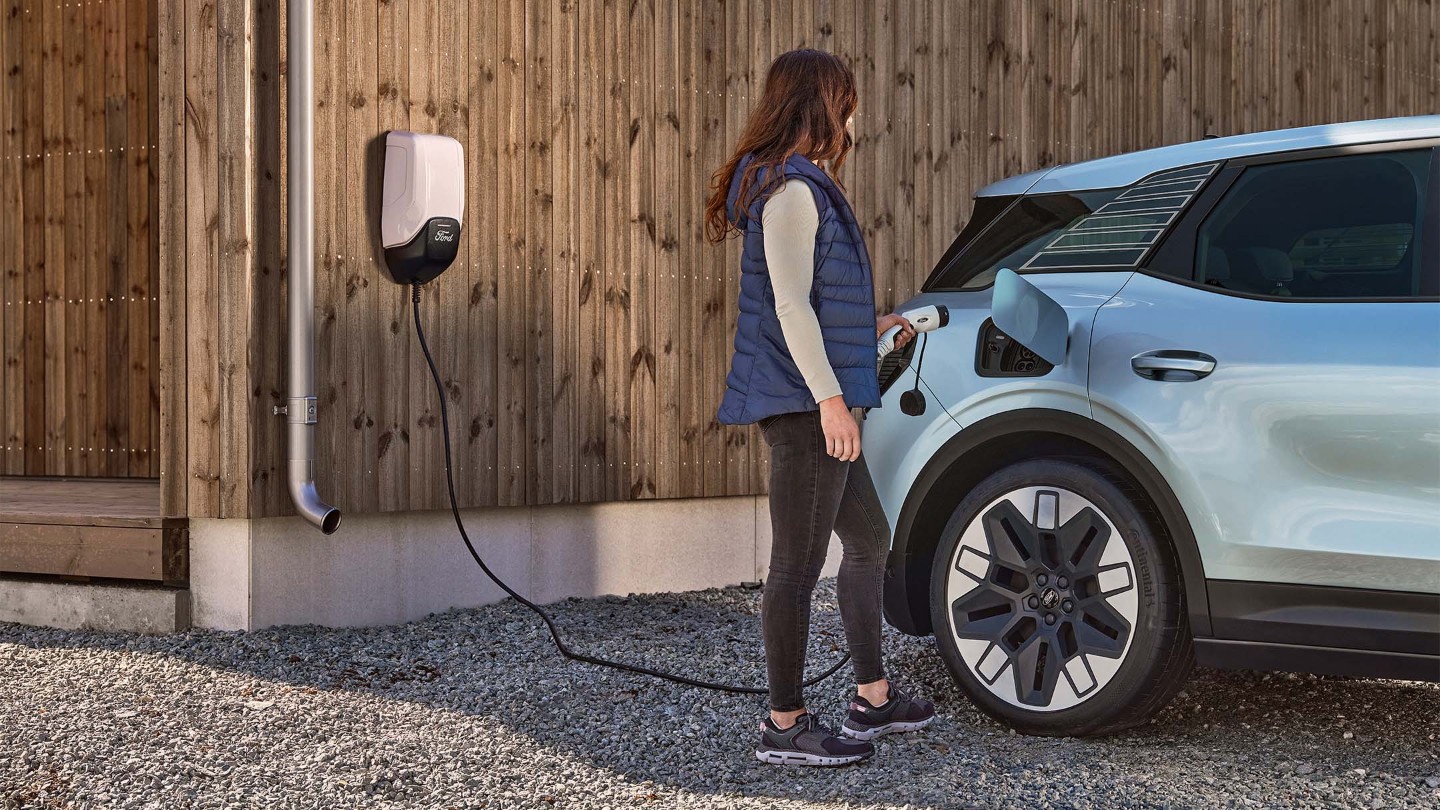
{"points": [[1057, 601]]}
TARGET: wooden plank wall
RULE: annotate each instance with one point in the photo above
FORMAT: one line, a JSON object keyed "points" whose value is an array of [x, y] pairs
{"points": [[220, 241], [79, 272], [585, 330]]}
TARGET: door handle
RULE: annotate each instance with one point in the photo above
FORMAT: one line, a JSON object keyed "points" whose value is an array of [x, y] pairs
{"points": [[1172, 365]]}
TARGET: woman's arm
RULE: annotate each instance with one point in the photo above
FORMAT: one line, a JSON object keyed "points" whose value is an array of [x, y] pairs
{"points": [[790, 221]]}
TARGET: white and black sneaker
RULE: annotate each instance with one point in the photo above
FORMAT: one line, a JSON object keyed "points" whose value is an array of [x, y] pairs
{"points": [[808, 743], [899, 712]]}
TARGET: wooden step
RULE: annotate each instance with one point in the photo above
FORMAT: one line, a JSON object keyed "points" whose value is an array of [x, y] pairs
{"points": [[90, 528]]}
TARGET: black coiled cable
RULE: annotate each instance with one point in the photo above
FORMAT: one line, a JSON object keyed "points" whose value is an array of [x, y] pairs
{"points": [[554, 634]]}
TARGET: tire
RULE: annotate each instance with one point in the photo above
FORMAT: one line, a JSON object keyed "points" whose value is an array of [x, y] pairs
{"points": [[1074, 629]]}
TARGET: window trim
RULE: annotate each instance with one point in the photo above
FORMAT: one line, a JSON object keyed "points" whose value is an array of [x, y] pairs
{"points": [[1179, 245], [1177, 248]]}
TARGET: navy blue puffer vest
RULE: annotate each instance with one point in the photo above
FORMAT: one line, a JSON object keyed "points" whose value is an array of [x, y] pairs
{"points": [[763, 379]]}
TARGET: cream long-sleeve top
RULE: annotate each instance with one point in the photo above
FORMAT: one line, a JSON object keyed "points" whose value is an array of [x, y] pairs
{"points": [[790, 221]]}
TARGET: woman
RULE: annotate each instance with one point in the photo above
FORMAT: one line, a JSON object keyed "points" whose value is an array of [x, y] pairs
{"points": [[804, 356]]}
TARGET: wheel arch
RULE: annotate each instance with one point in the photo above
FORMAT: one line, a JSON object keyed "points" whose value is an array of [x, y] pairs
{"points": [[986, 446]]}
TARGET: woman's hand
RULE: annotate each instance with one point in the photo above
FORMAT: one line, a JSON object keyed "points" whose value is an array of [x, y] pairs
{"points": [[842, 433], [907, 331]]}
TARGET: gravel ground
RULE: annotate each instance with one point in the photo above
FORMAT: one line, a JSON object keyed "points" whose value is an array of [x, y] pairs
{"points": [[475, 709]]}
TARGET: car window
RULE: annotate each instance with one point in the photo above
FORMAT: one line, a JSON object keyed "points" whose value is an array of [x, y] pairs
{"points": [[1013, 238], [984, 212], [1120, 232], [1088, 230], [1335, 227], [1357, 247]]}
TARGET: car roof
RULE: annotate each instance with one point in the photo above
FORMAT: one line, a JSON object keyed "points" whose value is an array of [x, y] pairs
{"points": [[1123, 170]]}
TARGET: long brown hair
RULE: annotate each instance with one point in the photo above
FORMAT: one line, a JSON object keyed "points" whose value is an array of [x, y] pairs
{"points": [[809, 95]]}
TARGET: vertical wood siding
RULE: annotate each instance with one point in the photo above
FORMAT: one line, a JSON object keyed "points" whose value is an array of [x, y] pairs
{"points": [[79, 276], [219, 249], [585, 329]]}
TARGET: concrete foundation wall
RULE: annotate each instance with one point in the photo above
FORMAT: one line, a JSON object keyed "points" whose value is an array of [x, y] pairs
{"points": [[400, 566], [110, 608]]}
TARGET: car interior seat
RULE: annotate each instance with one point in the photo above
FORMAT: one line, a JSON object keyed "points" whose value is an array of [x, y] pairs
{"points": [[1216, 269], [1275, 268], [1270, 269]]}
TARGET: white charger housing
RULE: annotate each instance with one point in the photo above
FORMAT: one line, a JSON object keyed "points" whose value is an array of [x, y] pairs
{"points": [[422, 204]]}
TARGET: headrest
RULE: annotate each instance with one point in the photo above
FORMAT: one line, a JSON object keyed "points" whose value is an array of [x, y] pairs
{"points": [[1273, 264]]}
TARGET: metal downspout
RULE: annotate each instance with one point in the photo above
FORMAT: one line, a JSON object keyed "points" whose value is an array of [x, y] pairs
{"points": [[299, 409]]}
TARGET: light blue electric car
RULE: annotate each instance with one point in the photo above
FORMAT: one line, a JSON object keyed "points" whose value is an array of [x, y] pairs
{"points": [[1198, 422]]}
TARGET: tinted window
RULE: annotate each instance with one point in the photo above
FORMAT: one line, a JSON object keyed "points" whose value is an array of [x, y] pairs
{"points": [[1338, 227], [985, 211], [1089, 230], [1013, 238]]}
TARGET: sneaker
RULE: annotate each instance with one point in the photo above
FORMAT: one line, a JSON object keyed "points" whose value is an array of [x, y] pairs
{"points": [[808, 743], [899, 712]]}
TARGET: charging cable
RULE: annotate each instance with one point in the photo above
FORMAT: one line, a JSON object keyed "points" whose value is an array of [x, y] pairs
{"points": [[545, 617]]}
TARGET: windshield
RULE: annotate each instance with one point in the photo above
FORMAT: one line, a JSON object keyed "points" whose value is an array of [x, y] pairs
{"points": [[1007, 235]]}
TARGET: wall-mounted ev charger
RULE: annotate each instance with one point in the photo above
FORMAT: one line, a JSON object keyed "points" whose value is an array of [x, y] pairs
{"points": [[422, 207]]}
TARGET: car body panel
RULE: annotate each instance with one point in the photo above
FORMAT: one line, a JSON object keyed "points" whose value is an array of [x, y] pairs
{"points": [[901, 445], [1309, 460], [1290, 446], [1122, 170], [1309, 455]]}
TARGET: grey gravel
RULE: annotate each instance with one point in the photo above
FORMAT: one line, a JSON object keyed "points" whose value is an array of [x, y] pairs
{"points": [[474, 708]]}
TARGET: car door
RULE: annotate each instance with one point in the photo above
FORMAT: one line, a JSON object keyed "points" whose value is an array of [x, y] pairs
{"points": [[1279, 361]]}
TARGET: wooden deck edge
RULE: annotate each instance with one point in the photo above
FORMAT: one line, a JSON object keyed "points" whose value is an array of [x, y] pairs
{"points": [[41, 519], [148, 554]]}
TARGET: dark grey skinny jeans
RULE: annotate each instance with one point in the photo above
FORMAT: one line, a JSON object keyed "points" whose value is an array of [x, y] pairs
{"points": [[811, 494]]}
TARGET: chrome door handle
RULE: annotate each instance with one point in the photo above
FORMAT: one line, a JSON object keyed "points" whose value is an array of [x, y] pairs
{"points": [[1172, 365]]}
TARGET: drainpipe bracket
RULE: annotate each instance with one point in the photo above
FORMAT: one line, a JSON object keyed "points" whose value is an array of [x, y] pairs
{"points": [[298, 410]]}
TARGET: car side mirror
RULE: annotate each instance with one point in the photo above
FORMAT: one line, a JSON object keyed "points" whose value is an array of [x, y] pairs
{"points": [[1029, 316]]}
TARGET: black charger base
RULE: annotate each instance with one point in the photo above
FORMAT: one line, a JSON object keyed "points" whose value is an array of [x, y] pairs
{"points": [[425, 257]]}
